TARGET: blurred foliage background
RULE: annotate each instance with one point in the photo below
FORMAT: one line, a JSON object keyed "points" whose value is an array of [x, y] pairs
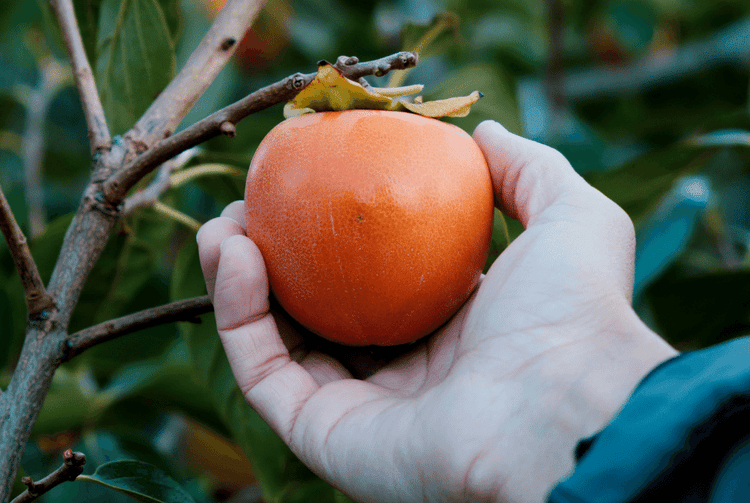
{"points": [[649, 99]]}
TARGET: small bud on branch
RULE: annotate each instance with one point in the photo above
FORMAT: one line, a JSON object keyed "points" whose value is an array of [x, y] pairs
{"points": [[71, 468]]}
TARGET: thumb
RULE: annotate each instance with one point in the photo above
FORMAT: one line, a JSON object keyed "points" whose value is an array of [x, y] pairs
{"points": [[528, 176], [536, 185]]}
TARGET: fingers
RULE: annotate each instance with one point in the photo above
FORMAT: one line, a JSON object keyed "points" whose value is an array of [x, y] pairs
{"points": [[209, 237], [241, 294], [273, 384], [535, 184], [235, 211], [527, 176], [257, 351]]}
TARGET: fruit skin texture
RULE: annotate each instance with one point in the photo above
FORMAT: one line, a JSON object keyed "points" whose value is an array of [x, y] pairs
{"points": [[374, 225]]}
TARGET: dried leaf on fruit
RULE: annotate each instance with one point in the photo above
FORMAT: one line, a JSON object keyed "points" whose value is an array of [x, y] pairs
{"points": [[330, 91]]}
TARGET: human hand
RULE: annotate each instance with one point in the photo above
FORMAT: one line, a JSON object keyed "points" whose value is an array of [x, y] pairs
{"points": [[491, 406]]}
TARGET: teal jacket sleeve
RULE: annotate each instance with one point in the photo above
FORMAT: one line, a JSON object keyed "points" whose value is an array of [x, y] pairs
{"points": [[683, 436]]}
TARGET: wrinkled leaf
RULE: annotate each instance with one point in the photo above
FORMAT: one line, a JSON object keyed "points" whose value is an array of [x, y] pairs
{"points": [[141, 481], [331, 91], [449, 107], [135, 58]]}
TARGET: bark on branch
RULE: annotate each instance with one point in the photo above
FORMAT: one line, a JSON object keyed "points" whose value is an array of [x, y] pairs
{"points": [[223, 121], [182, 310], [99, 137], [71, 468], [37, 298], [213, 52]]}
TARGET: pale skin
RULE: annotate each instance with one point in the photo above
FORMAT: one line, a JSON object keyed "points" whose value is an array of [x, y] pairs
{"points": [[491, 406]]}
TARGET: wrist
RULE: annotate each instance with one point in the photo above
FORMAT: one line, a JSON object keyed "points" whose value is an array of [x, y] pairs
{"points": [[583, 386], [618, 360]]}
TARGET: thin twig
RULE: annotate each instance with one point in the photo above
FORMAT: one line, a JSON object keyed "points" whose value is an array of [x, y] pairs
{"points": [[37, 298], [213, 52], [161, 183], [181, 310], [99, 137], [223, 121], [71, 468]]}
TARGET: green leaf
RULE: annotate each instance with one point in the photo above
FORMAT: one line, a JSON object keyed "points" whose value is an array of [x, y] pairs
{"points": [[126, 265], [693, 312], [66, 406], [135, 58], [141, 481], [173, 14], [87, 15], [641, 183], [167, 383]]}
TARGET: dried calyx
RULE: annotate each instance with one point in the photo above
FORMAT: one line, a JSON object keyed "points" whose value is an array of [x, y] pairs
{"points": [[330, 91]]}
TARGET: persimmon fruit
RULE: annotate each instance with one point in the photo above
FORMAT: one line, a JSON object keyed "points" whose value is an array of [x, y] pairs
{"points": [[374, 225]]}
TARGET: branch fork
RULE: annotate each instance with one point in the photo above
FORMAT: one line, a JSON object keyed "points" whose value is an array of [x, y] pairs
{"points": [[223, 121], [71, 468]]}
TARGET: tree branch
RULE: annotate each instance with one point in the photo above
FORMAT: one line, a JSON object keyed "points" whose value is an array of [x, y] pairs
{"points": [[99, 137], [71, 468], [182, 310], [37, 298], [159, 185], [223, 121], [213, 52]]}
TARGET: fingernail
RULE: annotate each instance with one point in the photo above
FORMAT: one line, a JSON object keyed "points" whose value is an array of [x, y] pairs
{"points": [[221, 245]]}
